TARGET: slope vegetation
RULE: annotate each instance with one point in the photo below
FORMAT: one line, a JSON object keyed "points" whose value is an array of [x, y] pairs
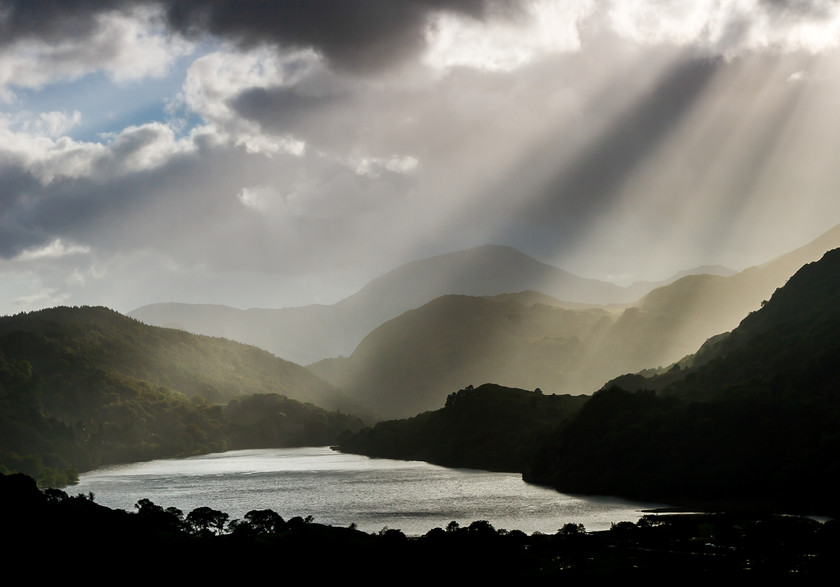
{"points": [[81, 387], [488, 427], [758, 420]]}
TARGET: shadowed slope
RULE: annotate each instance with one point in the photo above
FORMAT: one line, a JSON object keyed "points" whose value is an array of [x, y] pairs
{"points": [[758, 421], [83, 387]]}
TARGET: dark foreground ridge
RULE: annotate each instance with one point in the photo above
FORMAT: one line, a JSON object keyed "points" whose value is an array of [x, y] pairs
{"points": [[75, 535]]}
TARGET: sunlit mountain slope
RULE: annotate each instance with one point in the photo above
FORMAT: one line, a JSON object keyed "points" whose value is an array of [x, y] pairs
{"points": [[412, 362]]}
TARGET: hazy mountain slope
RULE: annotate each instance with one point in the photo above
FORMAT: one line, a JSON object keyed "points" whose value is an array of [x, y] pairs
{"points": [[639, 288], [792, 341], [310, 333], [678, 318], [314, 332], [485, 270], [759, 421], [82, 387], [757, 424], [299, 334], [410, 363], [57, 339]]}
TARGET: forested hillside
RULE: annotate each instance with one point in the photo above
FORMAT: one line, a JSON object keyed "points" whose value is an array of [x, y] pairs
{"points": [[757, 420], [487, 427], [81, 387]]}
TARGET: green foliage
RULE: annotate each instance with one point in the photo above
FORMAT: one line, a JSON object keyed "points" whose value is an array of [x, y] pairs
{"points": [[489, 427], [84, 387], [270, 420]]}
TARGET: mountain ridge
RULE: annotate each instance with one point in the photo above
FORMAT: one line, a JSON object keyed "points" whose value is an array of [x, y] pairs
{"points": [[755, 426], [86, 386], [309, 333], [409, 364]]}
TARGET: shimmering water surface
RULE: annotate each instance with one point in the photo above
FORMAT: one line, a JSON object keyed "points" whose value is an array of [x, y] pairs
{"points": [[340, 489]]}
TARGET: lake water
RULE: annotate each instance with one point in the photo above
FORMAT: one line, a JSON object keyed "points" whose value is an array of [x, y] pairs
{"points": [[340, 489]]}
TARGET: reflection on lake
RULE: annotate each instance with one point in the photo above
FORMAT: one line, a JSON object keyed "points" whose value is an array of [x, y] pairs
{"points": [[340, 489]]}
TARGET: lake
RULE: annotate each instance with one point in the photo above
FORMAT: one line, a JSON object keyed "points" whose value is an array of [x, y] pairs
{"points": [[340, 489]]}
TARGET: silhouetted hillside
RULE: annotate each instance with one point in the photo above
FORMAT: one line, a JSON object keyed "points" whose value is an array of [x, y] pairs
{"points": [[759, 421], [205, 545], [488, 427]]}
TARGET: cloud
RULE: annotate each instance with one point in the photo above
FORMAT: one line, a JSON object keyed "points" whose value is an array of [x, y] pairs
{"points": [[729, 27], [53, 250], [374, 166], [44, 42], [136, 148], [139, 148], [328, 136], [500, 41], [215, 80], [51, 124], [258, 198], [42, 299], [363, 35]]}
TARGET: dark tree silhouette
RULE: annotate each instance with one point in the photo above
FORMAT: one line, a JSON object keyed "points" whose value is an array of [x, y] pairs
{"points": [[265, 521], [205, 521]]}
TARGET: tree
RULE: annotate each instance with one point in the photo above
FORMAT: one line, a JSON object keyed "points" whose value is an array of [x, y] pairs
{"points": [[265, 521], [572, 529], [205, 521]]}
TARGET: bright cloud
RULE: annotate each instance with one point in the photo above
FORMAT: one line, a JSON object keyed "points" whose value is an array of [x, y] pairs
{"points": [[729, 27], [258, 198], [53, 250], [499, 43], [135, 149], [215, 80], [127, 45], [373, 166]]}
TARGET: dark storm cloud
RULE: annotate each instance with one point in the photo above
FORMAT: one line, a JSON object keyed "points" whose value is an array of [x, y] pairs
{"points": [[16, 232], [51, 20], [290, 111], [361, 35]]}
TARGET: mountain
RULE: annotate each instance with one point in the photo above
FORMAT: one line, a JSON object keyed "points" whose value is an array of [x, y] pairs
{"points": [[756, 420], [80, 387], [310, 333], [410, 363], [678, 318], [753, 424], [639, 288], [56, 339]]}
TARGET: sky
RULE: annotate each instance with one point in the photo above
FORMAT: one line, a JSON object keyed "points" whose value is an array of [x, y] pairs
{"points": [[271, 154]]}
